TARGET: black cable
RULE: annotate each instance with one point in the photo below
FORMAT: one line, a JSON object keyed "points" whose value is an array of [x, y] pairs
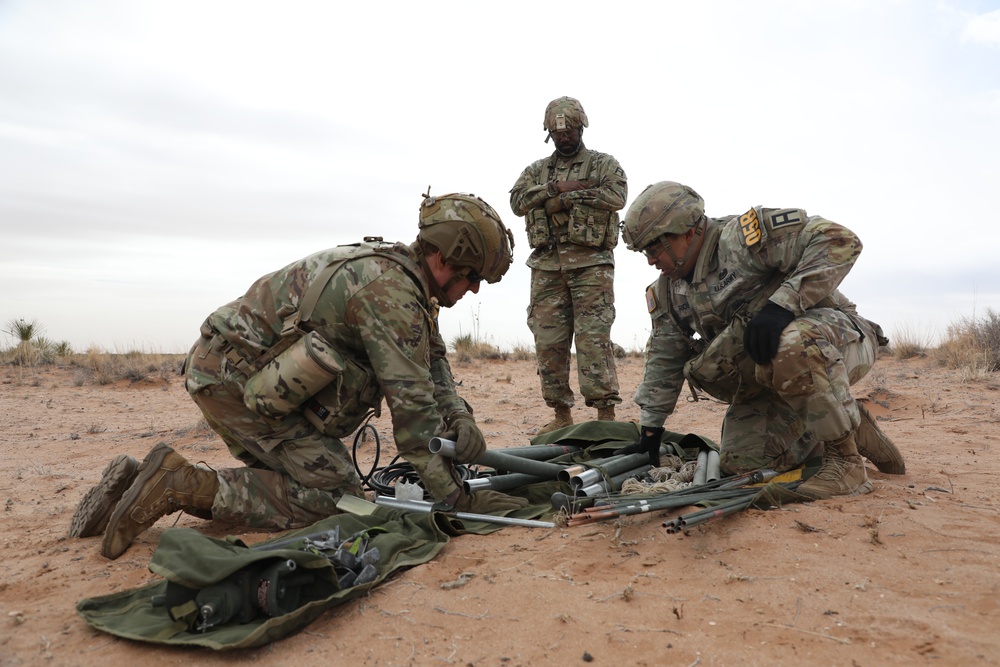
{"points": [[378, 449], [383, 480]]}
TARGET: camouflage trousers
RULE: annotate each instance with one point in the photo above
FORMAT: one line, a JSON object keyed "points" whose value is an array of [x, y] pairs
{"points": [[293, 475], [580, 304], [806, 399]]}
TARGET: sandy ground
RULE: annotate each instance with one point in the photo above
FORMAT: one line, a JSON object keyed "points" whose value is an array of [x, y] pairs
{"points": [[907, 575]]}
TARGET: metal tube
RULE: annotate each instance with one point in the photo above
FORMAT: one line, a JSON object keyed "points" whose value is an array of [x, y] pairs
{"points": [[498, 461], [699, 469], [571, 471], [699, 517], [539, 452], [712, 472], [613, 467], [425, 507], [615, 485], [501, 482]]}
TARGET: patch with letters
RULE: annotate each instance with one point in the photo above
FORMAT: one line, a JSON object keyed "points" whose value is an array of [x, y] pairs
{"points": [[650, 299], [750, 228]]}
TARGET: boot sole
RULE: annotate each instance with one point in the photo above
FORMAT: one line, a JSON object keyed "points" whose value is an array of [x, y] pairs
{"points": [[149, 467], [99, 502]]}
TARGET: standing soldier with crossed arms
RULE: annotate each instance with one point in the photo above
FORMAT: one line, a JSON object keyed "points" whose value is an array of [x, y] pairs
{"points": [[570, 201]]}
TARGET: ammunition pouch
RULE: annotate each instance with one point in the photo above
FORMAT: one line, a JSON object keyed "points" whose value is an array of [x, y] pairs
{"points": [[536, 225], [291, 378], [589, 227], [341, 406], [722, 368]]}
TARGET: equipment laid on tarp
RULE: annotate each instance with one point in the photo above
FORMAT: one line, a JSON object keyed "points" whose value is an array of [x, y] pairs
{"points": [[223, 594]]}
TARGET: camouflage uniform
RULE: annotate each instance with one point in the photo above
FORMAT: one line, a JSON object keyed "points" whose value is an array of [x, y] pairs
{"points": [[376, 313], [781, 411], [572, 272]]}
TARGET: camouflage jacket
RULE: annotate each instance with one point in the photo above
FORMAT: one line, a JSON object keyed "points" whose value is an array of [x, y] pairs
{"points": [[374, 312], [586, 232], [742, 257]]}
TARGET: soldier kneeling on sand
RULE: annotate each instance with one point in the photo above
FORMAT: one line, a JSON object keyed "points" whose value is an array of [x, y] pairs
{"points": [[776, 339], [298, 362]]}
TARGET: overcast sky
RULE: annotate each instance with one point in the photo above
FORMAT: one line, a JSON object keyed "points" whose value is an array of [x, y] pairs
{"points": [[158, 157]]}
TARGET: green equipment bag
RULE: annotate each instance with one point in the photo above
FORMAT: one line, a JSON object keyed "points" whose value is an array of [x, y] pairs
{"points": [[606, 436], [221, 594]]}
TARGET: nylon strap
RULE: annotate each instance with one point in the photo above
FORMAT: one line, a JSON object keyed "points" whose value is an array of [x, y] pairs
{"points": [[293, 327]]}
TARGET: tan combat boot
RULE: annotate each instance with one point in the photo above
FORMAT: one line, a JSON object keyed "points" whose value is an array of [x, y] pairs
{"points": [[606, 414], [876, 446], [842, 473], [96, 506], [564, 417], [166, 482]]}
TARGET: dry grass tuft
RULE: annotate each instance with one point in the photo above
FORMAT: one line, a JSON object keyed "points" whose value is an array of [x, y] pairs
{"points": [[906, 343], [100, 367], [521, 352], [972, 346], [467, 348]]}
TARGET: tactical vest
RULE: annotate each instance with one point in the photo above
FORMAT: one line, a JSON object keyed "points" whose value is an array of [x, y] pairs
{"points": [[304, 371], [581, 224]]}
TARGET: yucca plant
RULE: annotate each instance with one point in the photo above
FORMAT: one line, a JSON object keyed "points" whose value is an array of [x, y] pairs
{"points": [[32, 347]]}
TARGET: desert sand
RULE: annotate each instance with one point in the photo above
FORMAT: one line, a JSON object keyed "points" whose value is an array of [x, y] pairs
{"points": [[907, 575]]}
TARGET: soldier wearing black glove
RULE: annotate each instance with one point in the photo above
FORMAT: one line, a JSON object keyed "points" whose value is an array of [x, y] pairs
{"points": [[649, 443], [764, 331]]}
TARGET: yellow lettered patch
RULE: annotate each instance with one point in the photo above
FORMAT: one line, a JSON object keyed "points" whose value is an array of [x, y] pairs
{"points": [[750, 226], [650, 299]]}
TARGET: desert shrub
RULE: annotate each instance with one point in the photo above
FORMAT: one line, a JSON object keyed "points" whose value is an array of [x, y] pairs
{"points": [[972, 345], [467, 348], [134, 365], [31, 348], [521, 352], [906, 343]]}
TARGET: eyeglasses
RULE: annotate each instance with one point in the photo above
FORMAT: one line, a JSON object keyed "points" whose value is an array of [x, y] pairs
{"points": [[471, 276], [656, 247]]}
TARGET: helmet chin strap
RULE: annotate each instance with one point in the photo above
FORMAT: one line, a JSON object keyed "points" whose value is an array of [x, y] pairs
{"points": [[437, 291], [681, 264]]}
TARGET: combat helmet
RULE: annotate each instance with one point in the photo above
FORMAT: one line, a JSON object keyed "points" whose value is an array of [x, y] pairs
{"points": [[564, 113], [468, 232], [662, 208]]}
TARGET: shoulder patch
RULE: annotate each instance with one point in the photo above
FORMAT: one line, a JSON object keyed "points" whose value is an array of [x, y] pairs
{"points": [[650, 299], [782, 217], [750, 228]]}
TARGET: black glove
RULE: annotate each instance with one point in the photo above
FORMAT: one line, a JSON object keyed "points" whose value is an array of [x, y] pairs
{"points": [[764, 331], [649, 444], [488, 501]]}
